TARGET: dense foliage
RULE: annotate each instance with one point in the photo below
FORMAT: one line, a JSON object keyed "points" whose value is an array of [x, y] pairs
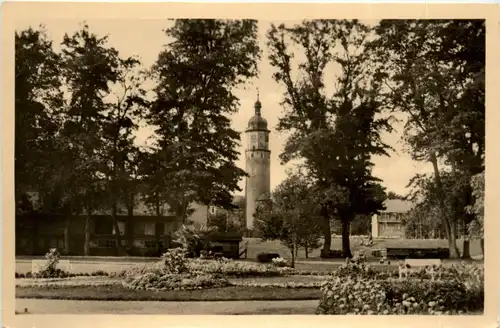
{"points": [[290, 216], [359, 290], [75, 145], [336, 132]]}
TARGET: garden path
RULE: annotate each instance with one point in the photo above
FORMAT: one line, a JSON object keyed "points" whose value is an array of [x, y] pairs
{"points": [[39, 306]]}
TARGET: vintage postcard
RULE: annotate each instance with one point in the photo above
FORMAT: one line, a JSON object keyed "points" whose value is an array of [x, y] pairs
{"points": [[165, 162]]}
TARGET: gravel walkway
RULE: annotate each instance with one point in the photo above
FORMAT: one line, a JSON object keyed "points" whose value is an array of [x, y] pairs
{"points": [[35, 306]]}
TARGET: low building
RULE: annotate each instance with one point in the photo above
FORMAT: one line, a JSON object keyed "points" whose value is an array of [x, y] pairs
{"points": [[389, 224], [142, 234]]}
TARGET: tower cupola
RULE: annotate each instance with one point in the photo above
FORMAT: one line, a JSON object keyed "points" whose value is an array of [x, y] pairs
{"points": [[257, 122]]}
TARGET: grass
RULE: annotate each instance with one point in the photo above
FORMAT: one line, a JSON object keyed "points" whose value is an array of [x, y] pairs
{"points": [[255, 246], [120, 293]]}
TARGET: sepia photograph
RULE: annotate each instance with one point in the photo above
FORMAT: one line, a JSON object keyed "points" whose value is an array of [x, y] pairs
{"points": [[228, 166]]}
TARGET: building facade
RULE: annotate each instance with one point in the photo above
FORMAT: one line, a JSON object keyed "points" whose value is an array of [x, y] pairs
{"points": [[258, 164], [389, 224], [142, 233]]}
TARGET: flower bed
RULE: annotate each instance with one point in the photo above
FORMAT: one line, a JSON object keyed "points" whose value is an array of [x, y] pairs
{"points": [[371, 296], [232, 268], [64, 282], [174, 281], [57, 274], [356, 289]]}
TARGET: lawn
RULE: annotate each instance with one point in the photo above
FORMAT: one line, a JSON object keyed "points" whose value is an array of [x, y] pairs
{"points": [[120, 293], [255, 246]]}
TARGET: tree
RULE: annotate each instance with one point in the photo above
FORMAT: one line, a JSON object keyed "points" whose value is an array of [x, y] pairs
{"points": [[434, 73], [476, 226], [90, 67], [393, 195], [119, 123], [289, 218], [38, 102], [196, 76], [338, 135]]}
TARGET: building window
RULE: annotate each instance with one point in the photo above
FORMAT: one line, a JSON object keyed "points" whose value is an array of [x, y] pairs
{"points": [[150, 243], [213, 210], [106, 243], [121, 227], [167, 228], [103, 227], [149, 229], [138, 228]]}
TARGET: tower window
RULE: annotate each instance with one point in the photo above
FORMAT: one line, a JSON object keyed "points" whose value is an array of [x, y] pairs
{"points": [[267, 138]]}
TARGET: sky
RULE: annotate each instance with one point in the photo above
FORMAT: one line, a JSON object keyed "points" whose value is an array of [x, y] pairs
{"points": [[145, 38]]}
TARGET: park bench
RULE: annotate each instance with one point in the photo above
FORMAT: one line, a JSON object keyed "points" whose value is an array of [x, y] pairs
{"points": [[409, 266]]}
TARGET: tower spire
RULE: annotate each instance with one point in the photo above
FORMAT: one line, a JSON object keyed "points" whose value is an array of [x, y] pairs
{"points": [[258, 105]]}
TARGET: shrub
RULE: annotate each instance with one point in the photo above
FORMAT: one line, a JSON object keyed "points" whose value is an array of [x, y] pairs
{"points": [[352, 295], [236, 268], [266, 257], [172, 281], [50, 268], [280, 262], [52, 258], [357, 289], [172, 272], [194, 239], [174, 260], [357, 266]]}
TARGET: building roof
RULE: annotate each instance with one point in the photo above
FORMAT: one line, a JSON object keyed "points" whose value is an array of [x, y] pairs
{"points": [[397, 206], [257, 123]]}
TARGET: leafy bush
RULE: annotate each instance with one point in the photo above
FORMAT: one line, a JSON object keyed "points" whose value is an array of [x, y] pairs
{"points": [[172, 272], [280, 262], [50, 270], [173, 281], [236, 268], [174, 260], [194, 239], [356, 288], [267, 257], [354, 295]]}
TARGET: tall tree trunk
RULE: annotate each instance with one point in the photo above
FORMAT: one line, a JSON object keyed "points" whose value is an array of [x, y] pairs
{"points": [[327, 234], [346, 245], [449, 227], [86, 243], [67, 224], [466, 241], [119, 248], [481, 242], [306, 249], [129, 229]]}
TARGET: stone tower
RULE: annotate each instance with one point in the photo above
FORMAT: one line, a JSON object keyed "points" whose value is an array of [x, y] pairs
{"points": [[258, 164]]}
